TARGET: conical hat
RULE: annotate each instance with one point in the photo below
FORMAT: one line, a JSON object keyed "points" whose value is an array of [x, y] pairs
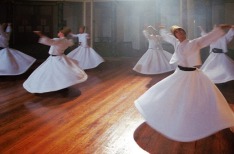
{"points": [[65, 31], [175, 27]]}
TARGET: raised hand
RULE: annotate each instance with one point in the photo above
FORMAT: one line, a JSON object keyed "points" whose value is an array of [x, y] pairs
{"points": [[225, 26], [38, 33]]}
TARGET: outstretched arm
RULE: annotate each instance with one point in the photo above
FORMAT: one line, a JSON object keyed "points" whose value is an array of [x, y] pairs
{"points": [[44, 39], [39, 33], [203, 32], [212, 36], [167, 36], [230, 34], [8, 29], [146, 34], [73, 35]]}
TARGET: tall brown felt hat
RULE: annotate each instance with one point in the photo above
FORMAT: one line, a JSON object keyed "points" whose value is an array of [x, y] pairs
{"points": [[175, 27], [65, 30]]}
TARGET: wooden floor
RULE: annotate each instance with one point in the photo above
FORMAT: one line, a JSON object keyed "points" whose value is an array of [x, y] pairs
{"points": [[97, 116]]}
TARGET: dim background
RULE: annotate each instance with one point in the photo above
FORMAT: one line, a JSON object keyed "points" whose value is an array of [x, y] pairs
{"points": [[115, 26]]}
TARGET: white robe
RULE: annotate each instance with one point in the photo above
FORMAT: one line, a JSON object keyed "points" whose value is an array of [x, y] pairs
{"points": [[86, 56], [186, 105], [57, 72], [218, 66], [12, 62], [155, 60]]}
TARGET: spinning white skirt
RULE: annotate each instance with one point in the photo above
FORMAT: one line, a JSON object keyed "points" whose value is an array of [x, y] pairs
{"points": [[219, 67], [154, 62], [185, 106], [86, 57], [57, 72], [14, 62]]}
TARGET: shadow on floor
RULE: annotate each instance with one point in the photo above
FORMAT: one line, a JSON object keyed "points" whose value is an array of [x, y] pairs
{"points": [[153, 142]]}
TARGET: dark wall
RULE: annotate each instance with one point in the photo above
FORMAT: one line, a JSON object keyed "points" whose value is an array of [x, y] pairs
{"points": [[26, 17], [117, 25]]}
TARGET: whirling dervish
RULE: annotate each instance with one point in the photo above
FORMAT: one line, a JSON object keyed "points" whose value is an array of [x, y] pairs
{"points": [[218, 66], [86, 56], [186, 106], [12, 62], [155, 60], [58, 71]]}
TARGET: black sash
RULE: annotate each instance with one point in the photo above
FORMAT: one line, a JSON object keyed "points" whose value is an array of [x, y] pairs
{"points": [[1, 48], [216, 50], [55, 55], [186, 68]]}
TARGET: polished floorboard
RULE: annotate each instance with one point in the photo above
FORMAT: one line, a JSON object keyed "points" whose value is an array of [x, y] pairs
{"points": [[94, 117]]}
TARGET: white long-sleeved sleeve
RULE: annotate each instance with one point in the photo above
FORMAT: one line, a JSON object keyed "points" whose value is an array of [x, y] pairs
{"points": [[73, 35], [146, 34], [209, 38], [47, 41], [8, 29], [203, 32], [54, 42], [229, 35], [168, 37]]}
